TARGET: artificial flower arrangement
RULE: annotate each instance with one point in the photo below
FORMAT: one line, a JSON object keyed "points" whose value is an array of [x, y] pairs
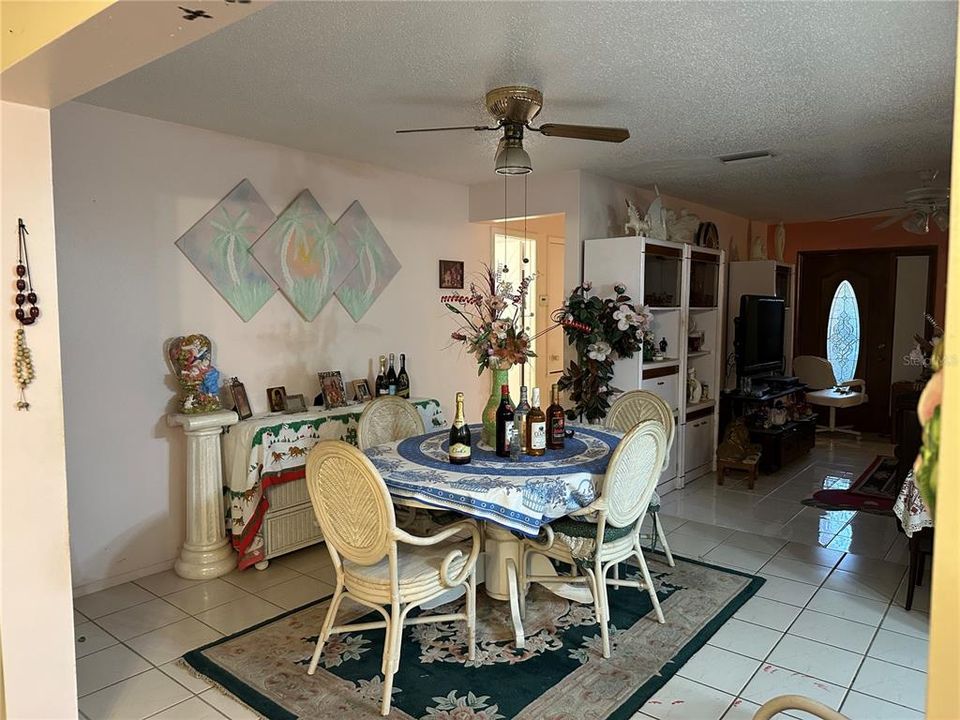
{"points": [[926, 466], [601, 330]]}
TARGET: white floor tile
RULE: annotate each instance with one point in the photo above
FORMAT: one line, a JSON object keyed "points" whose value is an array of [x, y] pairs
{"points": [[670, 523], [705, 531], [772, 680], [170, 642], [307, 559], [104, 602], [746, 638], [99, 669], [869, 546], [683, 699], [326, 574], [907, 622], [88, 637], [78, 617], [874, 587], [844, 634], [741, 710], [769, 613], [850, 607], [253, 580], [166, 582], [297, 592], [724, 554], [134, 699], [238, 615], [205, 596], [690, 546], [796, 570], [140, 619], [900, 650], [228, 706], [824, 662], [921, 596], [858, 706], [192, 709], [786, 591], [813, 554], [893, 683], [720, 669], [191, 682], [752, 541]]}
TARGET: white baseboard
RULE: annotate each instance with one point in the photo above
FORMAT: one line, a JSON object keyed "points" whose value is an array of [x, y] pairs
{"points": [[97, 585]]}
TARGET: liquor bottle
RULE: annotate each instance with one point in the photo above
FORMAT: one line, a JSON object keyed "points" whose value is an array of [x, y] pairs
{"points": [[536, 427], [459, 446], [380, 387], [504, 422], [391, 378], [523, 407], [556, 420], [403, 380]]}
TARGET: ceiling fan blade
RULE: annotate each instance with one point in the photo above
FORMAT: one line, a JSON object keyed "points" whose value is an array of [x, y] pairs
{"points": [[891, 220], [584, 132], [866, 212], [441, 129]]}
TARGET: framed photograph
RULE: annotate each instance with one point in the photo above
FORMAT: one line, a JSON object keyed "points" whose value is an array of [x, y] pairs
{"points": [[361, 390], [295, 404], [240, 401], [334, 393], [451, 275], [277, 398]]}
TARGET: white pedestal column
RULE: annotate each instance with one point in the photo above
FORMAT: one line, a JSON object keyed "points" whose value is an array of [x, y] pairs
{"points": [[206, 551]]}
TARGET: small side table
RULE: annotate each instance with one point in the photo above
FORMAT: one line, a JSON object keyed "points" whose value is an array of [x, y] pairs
{"points": [[206, 552], [748, 465]]}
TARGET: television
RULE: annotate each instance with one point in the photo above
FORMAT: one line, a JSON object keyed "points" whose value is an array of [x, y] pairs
{"points": [[759, 335]]}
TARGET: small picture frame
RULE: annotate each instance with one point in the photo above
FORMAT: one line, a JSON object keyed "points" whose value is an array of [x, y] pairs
{"points": [[334, 392], [277, 398], [361, 390], [295, 404], [240, 401], [451, 275]]}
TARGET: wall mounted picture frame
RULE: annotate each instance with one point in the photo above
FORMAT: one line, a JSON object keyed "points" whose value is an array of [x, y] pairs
{"points": [[334, 392], [241, 403], [361, 390], [295, 404], [277, 398], [451, 275]]}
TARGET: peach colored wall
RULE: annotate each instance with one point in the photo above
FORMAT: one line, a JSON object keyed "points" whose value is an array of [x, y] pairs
{"points": [[860, 235]]}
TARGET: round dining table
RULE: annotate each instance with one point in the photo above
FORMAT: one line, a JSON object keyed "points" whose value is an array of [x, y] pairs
{"points": [[513, 498]]}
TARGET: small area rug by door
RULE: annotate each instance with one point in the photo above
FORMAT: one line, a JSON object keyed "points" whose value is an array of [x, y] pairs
{"points": [[874, 491], [559, 674]]}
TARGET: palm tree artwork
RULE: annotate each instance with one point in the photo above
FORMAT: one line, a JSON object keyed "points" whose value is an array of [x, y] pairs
{"points": [[376, 266], [219, 244]]}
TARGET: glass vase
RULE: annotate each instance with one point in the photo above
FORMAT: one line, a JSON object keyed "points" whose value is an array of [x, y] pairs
{"points": [[499, 376]]}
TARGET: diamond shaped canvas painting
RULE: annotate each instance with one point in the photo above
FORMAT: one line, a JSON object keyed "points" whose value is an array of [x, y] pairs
{"points": [[304, 252], [376, 266], [219, 243]]}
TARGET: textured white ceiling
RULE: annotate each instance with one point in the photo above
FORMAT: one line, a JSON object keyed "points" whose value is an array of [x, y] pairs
{"points": [[853, 98]]}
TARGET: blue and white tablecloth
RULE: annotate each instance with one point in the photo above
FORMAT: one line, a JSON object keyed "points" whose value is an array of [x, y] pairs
{"points": [[521, 495]]}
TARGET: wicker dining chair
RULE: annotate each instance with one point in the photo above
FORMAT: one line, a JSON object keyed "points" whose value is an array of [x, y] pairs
{"points": [[354, 511], [608, 535], [387, 419], [628, 410]]}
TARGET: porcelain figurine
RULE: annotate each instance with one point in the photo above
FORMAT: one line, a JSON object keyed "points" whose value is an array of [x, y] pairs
{"points": [[638, 225], [780, 241], [694, 388], [656, 219], [758, 248], [199, 380], [682, 227]]}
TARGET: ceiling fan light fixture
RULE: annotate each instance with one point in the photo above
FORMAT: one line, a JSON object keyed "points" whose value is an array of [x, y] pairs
{"points": [[918, 223], [512, 159], [942, 218]]}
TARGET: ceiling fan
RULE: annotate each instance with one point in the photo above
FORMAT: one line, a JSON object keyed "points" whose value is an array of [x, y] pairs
{"points": [[514, 107], [920, 206]]}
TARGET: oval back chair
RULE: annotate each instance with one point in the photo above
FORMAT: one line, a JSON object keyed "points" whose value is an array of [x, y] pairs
{"points": [[386, 419]]}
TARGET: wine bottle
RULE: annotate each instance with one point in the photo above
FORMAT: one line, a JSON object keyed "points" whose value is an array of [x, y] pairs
{"points": [[536, 427], [459, 446], [504, 422], [523, 408], [403, 380], [391, 378], [556, 420], [380, 387]]}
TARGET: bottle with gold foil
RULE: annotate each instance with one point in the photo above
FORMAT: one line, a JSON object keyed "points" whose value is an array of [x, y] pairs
{"points": [[459, 450], [536, 427]]}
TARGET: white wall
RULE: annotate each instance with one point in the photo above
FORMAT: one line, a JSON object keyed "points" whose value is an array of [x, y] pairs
{"points": [[36, 609], [126, 188], [909, 318]]}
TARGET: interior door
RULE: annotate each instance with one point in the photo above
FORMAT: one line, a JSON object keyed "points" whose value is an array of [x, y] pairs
{"points": [[872, 275]]}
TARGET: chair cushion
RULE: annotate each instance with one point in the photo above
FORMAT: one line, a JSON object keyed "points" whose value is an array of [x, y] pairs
{"points": [[832, 398], [416, 565], [579, 528]]}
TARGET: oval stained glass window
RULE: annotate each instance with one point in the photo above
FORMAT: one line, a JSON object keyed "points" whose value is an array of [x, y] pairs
{"points": [[843, 332]]}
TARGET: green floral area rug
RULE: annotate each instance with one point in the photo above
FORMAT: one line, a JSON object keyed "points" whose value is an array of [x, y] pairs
{"points": [[559, 674]]}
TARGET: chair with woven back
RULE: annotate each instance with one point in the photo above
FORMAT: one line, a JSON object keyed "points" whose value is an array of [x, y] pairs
{"points": [[386, 419], [355, 513], [634, 407], [607, 533]]}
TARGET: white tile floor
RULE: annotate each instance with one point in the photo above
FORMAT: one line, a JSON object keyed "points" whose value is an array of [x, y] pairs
{"points": [[828, 623]]}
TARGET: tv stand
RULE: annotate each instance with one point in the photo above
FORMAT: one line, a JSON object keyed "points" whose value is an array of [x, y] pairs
{"points": [[780, 444]]}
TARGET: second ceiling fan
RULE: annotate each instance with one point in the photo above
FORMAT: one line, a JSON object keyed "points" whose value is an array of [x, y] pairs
{"points": [[514, 107]]}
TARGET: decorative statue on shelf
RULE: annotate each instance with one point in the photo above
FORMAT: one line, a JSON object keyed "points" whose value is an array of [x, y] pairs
{"points": [[638, 225], [758, 248], [199, 380], [694, 388], [780, 241], [656, 218], [682, 227]]}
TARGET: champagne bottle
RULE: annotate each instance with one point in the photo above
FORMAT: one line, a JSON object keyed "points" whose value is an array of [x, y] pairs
{"points": [[391, 378], [504, 422], [556, 421], [380, 387], [403, 380], [536, 427], [459, 446], [523, 408]]}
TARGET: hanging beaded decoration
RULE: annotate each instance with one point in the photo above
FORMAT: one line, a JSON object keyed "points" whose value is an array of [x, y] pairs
{"points": [[23, 363]]}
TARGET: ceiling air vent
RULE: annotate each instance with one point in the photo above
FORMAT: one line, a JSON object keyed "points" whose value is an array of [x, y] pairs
{"points": [[745, 157]]}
